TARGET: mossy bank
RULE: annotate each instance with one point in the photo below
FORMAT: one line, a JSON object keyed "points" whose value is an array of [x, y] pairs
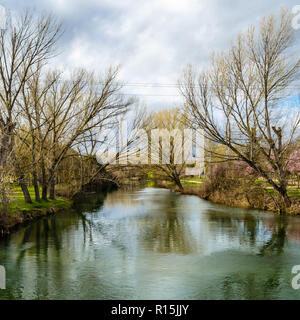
{"points": [[21, 212]]}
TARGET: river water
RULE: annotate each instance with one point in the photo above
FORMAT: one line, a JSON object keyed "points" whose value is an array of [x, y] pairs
{"points": [[152, 244]]}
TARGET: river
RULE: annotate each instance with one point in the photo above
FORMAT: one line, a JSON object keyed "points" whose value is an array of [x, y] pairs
{"points": [[152, 244]]}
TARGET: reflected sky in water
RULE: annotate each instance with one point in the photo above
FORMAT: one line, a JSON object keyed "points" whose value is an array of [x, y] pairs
{"points": [[152, 244]]}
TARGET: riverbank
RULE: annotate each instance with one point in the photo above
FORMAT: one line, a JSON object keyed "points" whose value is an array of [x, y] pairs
{"points": [[250, 198], [21, 213]]}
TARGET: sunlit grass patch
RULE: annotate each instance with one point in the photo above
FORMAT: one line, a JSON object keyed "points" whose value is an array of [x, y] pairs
{"points": [[190, 183], [18, 203]]}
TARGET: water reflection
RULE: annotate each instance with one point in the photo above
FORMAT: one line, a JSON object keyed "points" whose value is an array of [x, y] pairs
{"points": [[276, 243], [152, 244], [167, 231]]}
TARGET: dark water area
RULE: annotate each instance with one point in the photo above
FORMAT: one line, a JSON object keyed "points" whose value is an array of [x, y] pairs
{"points": [[152, 244]]}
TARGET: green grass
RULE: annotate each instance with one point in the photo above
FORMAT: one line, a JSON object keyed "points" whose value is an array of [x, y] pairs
{"points": [[18, 203], [294, 193], [195, 178], [192, 181]]}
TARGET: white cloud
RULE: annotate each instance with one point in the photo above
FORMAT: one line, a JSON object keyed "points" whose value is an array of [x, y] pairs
{"points": [[152, 40]]}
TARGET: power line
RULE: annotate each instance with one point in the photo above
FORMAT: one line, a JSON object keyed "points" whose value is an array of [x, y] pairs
{"points": [[151, 85], [173, 85], [166, 86], [152, 95]]}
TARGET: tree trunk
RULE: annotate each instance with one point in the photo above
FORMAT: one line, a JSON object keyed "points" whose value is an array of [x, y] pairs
{"points": [[4, 151], [36, 187], [20, 174], [178, 183], [37, 193], [6, 146], [34, 173], [286, 201], [26, 193], [23, 186], [4, 200], [44, 179], [52, 189], [44, 192]]}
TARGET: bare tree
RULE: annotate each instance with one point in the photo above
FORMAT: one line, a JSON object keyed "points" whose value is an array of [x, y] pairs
{"points": [[240, 101], [166, 132], [27, 41], [36, 127], [77, 107]]}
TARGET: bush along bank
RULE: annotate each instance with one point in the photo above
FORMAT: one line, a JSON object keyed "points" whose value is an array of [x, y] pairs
{"points": [[239, 193]]}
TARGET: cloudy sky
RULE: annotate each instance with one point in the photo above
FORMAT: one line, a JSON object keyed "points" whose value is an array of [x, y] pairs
{"points": [[152, 40]]}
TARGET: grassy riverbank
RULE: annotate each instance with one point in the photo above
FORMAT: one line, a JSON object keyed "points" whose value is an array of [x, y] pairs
{"points": [[18, 204], [21, 212], [240, 195]]}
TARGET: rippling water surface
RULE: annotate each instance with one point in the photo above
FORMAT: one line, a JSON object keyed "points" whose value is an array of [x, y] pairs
{"points": [[152, 244]]}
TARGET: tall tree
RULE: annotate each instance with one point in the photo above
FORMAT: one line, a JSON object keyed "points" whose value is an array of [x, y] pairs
{"points": [[77, 106], [240, 101], [28, 41]]}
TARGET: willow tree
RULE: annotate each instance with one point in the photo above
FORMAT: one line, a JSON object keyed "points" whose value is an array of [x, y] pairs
{"points": [[240, 101]]}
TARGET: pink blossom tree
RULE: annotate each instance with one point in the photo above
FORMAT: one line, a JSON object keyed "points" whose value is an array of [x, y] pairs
{"points": [[293, 164], [242, 169], [234, 169]]}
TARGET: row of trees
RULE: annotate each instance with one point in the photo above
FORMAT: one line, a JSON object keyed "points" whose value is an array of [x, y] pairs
{"points": [[49, 120]]}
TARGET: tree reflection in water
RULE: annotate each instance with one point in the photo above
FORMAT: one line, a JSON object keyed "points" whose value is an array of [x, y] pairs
{"points": [[122, 242], [168, 232], [276, 244], [249, 229], [44, 239]]}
